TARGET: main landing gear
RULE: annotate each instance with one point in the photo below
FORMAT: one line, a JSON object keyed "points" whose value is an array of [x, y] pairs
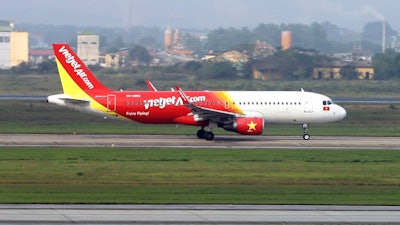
{"points": [[202, 134], [209, 135], [306, 136]]}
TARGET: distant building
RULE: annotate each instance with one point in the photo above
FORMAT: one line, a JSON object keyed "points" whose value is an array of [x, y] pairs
{"points": [[37, 56], [168, 38], [235, 57], [110, 60], [332, 70], [262, 49], [14, 47], [286, 40], [395, 43], [88, 47], [266, 70], [173, 43]]}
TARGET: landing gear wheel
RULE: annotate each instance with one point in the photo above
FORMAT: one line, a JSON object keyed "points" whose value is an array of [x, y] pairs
{"points": [[209, 136], [306, 137], [201, 134]]}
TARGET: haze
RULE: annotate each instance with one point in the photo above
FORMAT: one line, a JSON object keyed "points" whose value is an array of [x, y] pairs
{"points": [[352, 14]]}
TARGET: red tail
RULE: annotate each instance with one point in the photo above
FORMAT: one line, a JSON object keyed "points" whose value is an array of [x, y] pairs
{"points": [[70, 65]]}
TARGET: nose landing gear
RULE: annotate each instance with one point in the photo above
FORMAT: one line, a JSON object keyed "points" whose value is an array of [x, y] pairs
{"points": [[306, 136]]}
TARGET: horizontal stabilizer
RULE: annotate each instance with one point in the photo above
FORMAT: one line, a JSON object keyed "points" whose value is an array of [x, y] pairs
{"points": [[63, 99]]}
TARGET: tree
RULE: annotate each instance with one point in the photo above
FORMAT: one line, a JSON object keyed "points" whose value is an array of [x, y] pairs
{"points": [[48, 66], [294, 64], [22, 68], [192, 42], [386, 65], [229, 39], [372, 32], [270, 33], [192, 66], [218, 70], [117, 44], [140, 54], [247, 69], [148, 41], [308, 36]]}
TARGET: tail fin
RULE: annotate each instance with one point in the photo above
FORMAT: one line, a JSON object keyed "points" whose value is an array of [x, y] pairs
{"points": [[76, 78]]}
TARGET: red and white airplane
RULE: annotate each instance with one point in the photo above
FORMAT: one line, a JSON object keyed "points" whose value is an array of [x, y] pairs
{"points": [[243, 112]]}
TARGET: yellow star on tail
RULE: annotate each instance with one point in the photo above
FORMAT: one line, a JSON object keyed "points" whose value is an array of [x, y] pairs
{"points": [[252, 126]]}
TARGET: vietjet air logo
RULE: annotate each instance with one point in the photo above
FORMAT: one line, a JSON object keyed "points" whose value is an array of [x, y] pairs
{"points": [[76, 66], [252, 126], [163, 102]]}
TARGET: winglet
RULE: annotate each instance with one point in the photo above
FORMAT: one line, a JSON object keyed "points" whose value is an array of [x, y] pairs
{"points": [[151, 86], [183, 95]]}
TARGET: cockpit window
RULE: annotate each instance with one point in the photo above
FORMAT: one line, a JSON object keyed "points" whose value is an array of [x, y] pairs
{"points": [[327, 102]]}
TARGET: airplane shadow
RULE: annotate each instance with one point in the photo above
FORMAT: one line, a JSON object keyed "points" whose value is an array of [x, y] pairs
{"points": [[228, 138]]}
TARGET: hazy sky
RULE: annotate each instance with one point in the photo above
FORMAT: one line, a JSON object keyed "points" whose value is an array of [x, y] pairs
{"points": [[212, 14]]}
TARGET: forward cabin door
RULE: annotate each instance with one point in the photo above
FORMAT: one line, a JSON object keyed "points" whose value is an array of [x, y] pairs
{"points": [[111, 103], [308, 104]]}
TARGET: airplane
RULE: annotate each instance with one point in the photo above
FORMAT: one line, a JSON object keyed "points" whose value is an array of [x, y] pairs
{"points": [[243, 112]]}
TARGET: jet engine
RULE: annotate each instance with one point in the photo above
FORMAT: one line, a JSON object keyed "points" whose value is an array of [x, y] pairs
{"points": [[246, 125]]}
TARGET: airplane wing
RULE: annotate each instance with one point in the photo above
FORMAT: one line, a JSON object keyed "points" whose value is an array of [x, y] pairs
{"points": [[203, 113]]}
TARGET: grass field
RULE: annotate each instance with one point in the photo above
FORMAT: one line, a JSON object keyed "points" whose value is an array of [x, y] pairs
{"points": [[112, 175], [47, 84], [231, 176]]}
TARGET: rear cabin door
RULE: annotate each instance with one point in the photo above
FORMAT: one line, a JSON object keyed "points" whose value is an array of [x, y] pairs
{"points": [[111, 103]]}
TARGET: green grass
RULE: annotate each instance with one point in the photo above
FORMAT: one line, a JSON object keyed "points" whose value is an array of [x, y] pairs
{"points": [[47, 84], [40, 117], [198, 176]]}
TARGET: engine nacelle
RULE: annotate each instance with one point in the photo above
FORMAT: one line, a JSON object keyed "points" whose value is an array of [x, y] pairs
{"points": [[246, 125]]}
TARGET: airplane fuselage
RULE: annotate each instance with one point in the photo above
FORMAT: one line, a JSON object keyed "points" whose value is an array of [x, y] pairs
{"points": [[276, 107]]}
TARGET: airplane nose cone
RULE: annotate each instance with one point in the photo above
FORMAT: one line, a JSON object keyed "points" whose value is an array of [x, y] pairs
{"points": [[341, 113]]}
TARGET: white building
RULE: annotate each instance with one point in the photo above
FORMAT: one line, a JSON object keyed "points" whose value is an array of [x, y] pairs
{"points": [[13, 45], [88, 47]]}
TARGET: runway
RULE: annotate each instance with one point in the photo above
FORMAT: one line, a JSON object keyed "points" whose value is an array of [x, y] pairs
{"points": [[197, 214], [191, 141]]}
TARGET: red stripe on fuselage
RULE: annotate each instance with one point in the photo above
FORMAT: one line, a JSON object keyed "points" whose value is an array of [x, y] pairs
{"points": [[161, 107]]}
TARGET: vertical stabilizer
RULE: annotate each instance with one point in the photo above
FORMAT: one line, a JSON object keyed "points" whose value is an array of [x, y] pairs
{"points": [[76, 78]]}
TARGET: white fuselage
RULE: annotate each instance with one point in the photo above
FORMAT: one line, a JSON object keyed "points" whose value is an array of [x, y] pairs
{"points": [[289, 107]]}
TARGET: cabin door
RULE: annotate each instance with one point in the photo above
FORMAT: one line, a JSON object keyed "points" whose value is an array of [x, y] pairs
{"points": [[308, 105], [111, 103]]}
